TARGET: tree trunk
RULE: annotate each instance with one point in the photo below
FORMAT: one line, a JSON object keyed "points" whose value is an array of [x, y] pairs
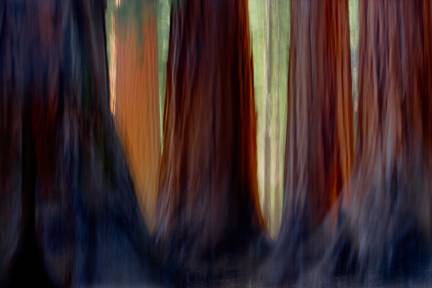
{"points": [[10, 152], [387, 208], [280, 60], [208, 203], [268, 183], [319, 133], [78, 218], [137, 99]]}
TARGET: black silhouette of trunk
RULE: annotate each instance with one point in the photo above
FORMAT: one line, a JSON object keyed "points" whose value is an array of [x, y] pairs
{"points": [[208, 204], [71, 212]]}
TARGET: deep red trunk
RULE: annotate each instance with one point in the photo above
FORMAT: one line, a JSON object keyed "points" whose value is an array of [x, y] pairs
{"points": [[208, 200], [319, 143]]}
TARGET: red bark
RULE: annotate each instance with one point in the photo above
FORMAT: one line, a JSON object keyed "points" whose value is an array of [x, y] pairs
{"points": [[388, 202], [319, 133], [208, 187], [319, 142]]}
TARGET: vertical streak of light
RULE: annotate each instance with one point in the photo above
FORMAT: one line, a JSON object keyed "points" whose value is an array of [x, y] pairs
{"points": [[113, 62], [354, 40]]}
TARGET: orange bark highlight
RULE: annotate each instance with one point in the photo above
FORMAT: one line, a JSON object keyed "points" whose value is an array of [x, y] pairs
{"points": [[137, 105]]}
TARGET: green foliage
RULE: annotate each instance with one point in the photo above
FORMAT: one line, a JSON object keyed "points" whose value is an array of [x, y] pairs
{"points": [[354, 42], [163, 12], [277, 89], [131, 12]]}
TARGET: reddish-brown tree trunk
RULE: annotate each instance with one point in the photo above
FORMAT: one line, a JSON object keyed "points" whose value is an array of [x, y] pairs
{"points": [[319, 133], [208, 200], [319, 144], [137, 100], [387, 206]]}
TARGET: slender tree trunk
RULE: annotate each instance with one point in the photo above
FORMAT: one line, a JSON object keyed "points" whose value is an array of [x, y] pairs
{"points": [[279, 96], [319, 133], [208, 202], [137, 99], [268, 179], [276, 108]]}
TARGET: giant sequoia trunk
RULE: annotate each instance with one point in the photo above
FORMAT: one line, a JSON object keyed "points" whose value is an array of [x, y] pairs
{"points": [[207, 202], [386, 210], [319, 131], [67, 201], [136, 96], [10, 152]]}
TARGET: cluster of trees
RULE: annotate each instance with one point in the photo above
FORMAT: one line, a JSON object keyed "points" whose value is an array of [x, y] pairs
{"points": [[361, 210], [72, 199], [332, 185]]}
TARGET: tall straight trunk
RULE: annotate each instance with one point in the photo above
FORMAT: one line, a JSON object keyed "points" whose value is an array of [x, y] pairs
{"points": [[319, 144], [268, 187], [281, 12], [277, 129], [137, 99], [74, 216], [10, 151], [319, 132], [208, 203], [387, 208]]}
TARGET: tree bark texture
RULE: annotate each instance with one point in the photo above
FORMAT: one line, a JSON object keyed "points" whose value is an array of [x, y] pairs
{"points": [[319, 145], [319, 148], [208, 203], [137, 100], [386, 209]]}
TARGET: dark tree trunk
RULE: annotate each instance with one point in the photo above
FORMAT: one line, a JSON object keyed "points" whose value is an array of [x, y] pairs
{"points": [[10, 151], [387, 206], [208, 204], [319, 132], [74, 217]]}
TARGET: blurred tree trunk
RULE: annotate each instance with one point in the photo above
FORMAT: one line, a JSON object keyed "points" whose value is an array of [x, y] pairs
{"points": [[279, 106], [208, 203], [387, 207], [268, 183], [319, 132], [319, 144], [277, 36], [75, 220], [11, 105], [137, 99]]}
